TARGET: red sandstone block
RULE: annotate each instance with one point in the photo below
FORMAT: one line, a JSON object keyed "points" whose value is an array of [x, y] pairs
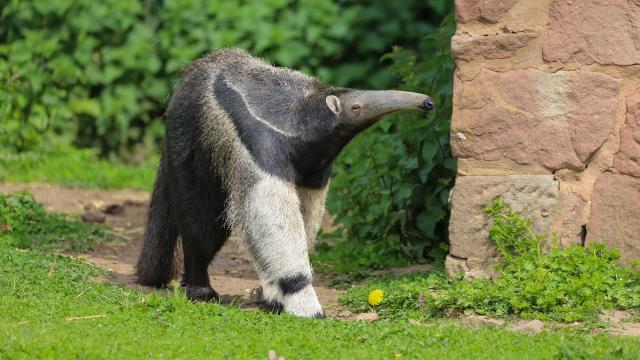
{"points": [[484, 10], [557, 120], [615, 214], [535, 196], [500, 46], [588, 31], [627, 160]]}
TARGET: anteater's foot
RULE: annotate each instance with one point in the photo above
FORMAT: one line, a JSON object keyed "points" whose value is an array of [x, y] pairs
{"points": [[201, 293], [303, 304], [271, 305], [268, 305]]}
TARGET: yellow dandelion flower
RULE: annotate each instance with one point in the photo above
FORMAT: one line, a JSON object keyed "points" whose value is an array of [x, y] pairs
{"points": [[375, 297]]}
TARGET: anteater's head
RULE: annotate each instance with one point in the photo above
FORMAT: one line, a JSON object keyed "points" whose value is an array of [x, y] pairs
{"points": [[330, 117], [358, 109]]}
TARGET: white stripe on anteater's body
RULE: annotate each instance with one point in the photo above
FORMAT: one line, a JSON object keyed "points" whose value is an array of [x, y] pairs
{"points": [[249, 149]]}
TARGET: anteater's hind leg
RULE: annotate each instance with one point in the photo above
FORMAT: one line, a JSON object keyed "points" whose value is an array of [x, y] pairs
{"points": [[200, 244], [200, 221]]}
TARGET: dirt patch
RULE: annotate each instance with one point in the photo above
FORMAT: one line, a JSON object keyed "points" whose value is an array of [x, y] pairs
{"points": [[630, 329], [615, 317], [620, 323], [475, 319], [231, 274], [74, 200], [528, 326]]}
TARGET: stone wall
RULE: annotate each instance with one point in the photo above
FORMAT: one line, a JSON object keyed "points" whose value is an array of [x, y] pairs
{"points": [[547, 115]]}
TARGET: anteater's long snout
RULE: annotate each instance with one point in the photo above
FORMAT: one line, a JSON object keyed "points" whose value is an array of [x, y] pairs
{"points": [[381, 102], [362, 108]]}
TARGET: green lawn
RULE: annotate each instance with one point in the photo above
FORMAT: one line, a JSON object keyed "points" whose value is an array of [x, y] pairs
{"points": [[41, 291], [52, 306], [76, 167]]}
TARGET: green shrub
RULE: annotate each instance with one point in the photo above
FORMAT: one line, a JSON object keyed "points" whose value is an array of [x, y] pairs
{"points": [[391, 186], [569, 284], [98, 73], [25, 224]]}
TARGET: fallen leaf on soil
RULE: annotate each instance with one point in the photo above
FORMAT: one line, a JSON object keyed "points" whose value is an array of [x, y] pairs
{"points": [[480, 319], [368, 317], [93, 216], [532, 326]]}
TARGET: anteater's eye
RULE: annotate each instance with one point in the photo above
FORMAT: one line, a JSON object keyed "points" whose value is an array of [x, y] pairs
{"points": [[355, 107]]}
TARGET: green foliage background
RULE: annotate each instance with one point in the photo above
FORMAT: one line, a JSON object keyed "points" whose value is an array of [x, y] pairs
{"points": [[97, 74], [391, 186]]}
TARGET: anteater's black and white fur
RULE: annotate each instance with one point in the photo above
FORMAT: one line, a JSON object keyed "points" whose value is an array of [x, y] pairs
{"points": [[249, 149]]}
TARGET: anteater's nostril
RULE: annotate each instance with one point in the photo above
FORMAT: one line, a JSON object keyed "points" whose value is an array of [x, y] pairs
{"points": [[428, 104]]}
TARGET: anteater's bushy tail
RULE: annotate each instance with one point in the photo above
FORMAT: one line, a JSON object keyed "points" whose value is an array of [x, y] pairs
{"points": [[158, 263]]}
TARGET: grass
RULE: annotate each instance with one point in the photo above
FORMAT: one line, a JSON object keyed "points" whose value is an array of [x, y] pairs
{"points": [[76, 167], [55, 306], [562, 284], [58, 307]]}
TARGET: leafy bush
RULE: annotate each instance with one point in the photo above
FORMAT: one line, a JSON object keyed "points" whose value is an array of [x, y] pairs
{"points": [[569, 284], [25, 224], [97, 73], [391, 186]]}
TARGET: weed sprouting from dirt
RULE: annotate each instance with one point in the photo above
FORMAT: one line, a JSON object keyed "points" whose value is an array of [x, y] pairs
{"points": [[24, 223]]}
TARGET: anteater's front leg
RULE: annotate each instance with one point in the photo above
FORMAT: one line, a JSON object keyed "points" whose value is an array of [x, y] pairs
{"points": [[275, 234]]}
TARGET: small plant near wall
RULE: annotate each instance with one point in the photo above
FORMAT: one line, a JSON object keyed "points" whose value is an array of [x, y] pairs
{"points": [[562, 284]]}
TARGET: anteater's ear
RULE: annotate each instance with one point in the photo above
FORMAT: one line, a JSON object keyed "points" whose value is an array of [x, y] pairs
{"points": [[334, 104]]}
